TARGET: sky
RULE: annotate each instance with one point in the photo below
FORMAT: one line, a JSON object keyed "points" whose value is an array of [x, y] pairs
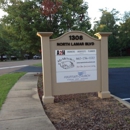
{"points": [[1, 13], [95, 5]]}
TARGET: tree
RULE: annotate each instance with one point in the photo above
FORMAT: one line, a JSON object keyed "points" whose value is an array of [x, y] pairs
{"points": [[4, 45], [107, 20], [67, 15], [50, 14], [22, 24], [74, 16], [126, 16], [124, 34], [26, 18], [107, 23], [3, 48], [49, 7]]}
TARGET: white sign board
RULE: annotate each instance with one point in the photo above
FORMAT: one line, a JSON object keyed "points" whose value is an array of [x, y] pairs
{"points": [[76, 65]]}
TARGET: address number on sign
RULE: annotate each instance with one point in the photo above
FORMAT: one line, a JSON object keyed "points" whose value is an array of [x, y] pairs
{"points": [[77, 37]]}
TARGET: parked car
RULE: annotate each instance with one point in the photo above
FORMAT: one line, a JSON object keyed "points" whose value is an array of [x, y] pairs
{"points": [[13, 57], [4, 57], [27, 56], [36, 57]]}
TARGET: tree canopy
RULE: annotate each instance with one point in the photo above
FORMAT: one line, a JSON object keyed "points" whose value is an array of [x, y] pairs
{"points": [[26, 18], [108, 23]]}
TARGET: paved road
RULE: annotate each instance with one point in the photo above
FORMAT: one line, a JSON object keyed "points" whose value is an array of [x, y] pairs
{"points": [[11, 66], [119, 83], [29, 69]]}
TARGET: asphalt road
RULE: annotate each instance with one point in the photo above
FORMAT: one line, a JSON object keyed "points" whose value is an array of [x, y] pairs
{"points": [[119, 78], [29, 69], [119, 83], [12, 66]]}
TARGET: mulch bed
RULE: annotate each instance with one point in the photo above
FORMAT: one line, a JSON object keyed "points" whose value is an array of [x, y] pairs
{"points": [[85, 112]]}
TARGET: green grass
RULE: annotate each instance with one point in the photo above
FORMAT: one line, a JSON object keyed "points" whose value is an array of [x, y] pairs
{"points": [[38, 65], [6, 83], [119, 62]]}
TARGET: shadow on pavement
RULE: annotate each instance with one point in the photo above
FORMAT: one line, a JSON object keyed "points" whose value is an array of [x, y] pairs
{"points": [[30, 69]]}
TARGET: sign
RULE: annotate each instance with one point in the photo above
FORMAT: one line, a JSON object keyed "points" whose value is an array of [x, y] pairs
{"points": [[76, 65]]}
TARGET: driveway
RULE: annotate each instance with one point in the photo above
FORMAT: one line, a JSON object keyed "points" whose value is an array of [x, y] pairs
{"points": [[119, 83], [30, 69], [11, 66]]}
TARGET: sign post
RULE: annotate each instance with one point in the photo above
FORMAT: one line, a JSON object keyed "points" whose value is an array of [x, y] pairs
{"points": [[104, 93], [74, 63], [46, 67]]}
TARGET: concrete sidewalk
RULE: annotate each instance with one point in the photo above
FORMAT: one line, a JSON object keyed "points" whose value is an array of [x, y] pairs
{"points": [[21, 111]]}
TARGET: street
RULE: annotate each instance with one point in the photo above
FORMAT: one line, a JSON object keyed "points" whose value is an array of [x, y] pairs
{"points": [[11, 66]]}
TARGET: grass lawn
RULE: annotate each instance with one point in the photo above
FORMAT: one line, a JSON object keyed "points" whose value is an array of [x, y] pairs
{"points": [[119, 62], [38, 65], [6, 83]]}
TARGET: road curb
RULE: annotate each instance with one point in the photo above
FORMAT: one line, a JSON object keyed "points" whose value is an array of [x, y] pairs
{"points": [[121, 101]]}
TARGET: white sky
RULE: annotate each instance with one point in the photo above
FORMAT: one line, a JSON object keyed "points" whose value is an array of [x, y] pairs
{"points": [[1, 13], [95, 5]]}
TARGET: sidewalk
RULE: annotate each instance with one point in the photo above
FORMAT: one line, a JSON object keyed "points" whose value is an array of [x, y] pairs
{"points": [[22, 109]]}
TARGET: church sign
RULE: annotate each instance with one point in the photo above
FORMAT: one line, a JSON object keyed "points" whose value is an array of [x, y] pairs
{"points": [[74, 63]]}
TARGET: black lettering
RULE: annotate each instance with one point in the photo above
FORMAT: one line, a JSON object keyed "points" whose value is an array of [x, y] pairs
{"points": [[89, 43], [63, 44], [81, 37], [73, 37], [77, 44], [77, 37]]}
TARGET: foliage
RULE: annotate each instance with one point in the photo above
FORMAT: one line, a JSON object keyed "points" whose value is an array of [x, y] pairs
{"points": [[22, 25], [124, 34], [107, 23], [74, 16], [26, 18], [67, 15], [49, 7], [126, 16], [6, 86], [120, 38], [4, 45]]}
